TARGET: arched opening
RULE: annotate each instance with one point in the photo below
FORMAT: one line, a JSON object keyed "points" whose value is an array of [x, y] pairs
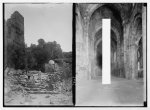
{"points": [[98, 53], [140, 59], [98, 58], [138, 25], [95, 39]]}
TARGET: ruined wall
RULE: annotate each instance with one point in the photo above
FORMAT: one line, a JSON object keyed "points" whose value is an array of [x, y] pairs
{"points": [[15, 29], [14, 32]]}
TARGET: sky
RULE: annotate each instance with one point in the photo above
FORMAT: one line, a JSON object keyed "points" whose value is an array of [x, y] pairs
{"points": [[51, 22]]}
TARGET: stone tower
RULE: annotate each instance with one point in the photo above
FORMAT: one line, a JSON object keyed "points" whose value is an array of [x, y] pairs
{"points": [[13, 32], [15, 29]]}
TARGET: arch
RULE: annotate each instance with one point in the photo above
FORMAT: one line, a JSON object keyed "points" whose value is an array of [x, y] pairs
{"points": [[113, 29], [136, 16], [112, 7], [94, 25], [137, 24], [97, 41], [98, 56], [79, 27], [78, 15], [98, 52], [137, 20], [115, 24]]}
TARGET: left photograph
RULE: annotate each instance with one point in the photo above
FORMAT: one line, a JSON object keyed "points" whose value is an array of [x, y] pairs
{"points": [[37, 55]]}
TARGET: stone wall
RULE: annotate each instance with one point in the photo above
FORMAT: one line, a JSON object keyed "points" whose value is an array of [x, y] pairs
{"points": [[14, 32], [15, 29]]}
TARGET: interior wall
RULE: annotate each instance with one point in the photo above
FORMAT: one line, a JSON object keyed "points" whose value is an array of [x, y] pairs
{"points": [[126, 25]]}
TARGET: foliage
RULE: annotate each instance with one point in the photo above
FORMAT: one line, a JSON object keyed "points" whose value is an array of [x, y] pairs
{"points": [[33, 57], [41, 42], [67, 54], [53, 49], [16, 56], [42, 53], [30, 60]]}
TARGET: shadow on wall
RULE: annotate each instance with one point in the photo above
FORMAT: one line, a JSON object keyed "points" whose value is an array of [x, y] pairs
{"points": [[98, 69], [99, 60]]}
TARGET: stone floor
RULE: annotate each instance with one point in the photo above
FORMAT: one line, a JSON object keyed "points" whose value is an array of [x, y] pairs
{"points": [[121, 92]]}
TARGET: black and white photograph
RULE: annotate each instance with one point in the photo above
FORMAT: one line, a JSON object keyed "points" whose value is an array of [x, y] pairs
{"points": [[74, 54], [111, 54], [37, 54]]}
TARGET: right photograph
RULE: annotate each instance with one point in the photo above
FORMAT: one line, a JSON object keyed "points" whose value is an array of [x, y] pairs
{"points": [[111, 48]]}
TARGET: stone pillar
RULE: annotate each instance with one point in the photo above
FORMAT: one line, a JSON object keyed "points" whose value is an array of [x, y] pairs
{"points": [[118, 59], [86, 36], [122, 60], [144, 28], [126, 49], [134, 61], [87, 57], [92, 61]]}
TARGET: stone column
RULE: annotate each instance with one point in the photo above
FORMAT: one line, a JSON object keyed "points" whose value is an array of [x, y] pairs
{"points": [[118, 59], [87, 57], [86, 36], [134, 60], [144, 28], [122, 60], [92, 60], [126, 49]]}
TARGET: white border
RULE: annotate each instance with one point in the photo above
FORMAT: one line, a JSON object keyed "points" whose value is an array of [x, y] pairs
{"points": [[73, 1]]}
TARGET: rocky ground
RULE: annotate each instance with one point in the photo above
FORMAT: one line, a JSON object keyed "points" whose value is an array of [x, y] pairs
{"points": [[18, 90]]}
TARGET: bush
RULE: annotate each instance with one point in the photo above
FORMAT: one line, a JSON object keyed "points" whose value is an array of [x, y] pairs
{"points": [[66, 71]]}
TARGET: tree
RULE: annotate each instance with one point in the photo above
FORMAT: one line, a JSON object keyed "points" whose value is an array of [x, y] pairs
{"points": [[31, 61], [54, 50], [58, 52], [38, 55], [67, 54], [41, 57], [41, 42]]}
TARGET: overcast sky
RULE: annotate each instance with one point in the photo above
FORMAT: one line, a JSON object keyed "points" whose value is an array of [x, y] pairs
{"points": [[48, 21]]}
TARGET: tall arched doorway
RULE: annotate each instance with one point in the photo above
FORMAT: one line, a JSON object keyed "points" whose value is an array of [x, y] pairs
{"points": [[95, 40]]}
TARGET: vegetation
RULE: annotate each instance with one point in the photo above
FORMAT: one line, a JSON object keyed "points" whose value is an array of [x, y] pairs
{"points": [[35, 56]]}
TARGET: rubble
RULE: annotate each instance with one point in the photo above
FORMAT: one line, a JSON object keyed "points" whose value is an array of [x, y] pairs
{"points": [[18, 84]]}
